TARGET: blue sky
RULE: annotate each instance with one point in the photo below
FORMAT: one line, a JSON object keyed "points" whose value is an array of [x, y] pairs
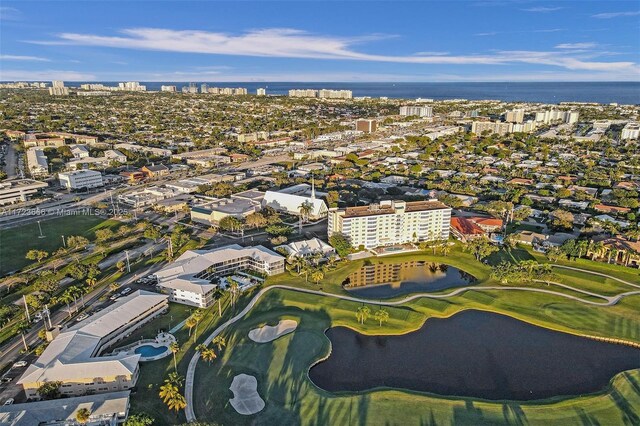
{"points": [[481, 40]]}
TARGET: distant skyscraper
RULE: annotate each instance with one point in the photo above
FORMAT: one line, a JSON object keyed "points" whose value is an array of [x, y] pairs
{"points": [[168, 88], [57, 89], [261, 92], [515, 116], [420, 111]]}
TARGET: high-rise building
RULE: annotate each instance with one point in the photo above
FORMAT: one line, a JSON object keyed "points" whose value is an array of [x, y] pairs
{"points": [[57, 89], [420, 111], [303, 93], [630, 131], [366, 125], [261, 91], [478, 127], [132, 86], [168, 89], [515, 116], [553, 115], [204, 88], [391, 222]]}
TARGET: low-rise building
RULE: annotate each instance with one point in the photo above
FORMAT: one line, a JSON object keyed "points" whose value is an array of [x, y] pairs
{"points": [[213, 212], [37, 162], [81, 179], [105, 409], [19, 190], [307, 248], [192, 278], [75, 356], [291, 203]]}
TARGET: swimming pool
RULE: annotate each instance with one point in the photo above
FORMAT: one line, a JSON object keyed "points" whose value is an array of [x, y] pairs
{"points": [[148, 351]]}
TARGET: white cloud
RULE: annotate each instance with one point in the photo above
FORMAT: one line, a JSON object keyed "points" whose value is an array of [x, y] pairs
{"points": [[292, 43], [542, 9], [610, 15], [9, 14], [576, 46], [22, 58], [44, 75]]}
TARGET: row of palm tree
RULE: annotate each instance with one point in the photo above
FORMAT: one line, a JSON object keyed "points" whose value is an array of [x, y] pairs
{"points": [[363, 313], [209, 354], [193, 321]]}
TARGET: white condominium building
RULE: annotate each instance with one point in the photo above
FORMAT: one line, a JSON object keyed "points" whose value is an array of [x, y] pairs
{"points": [[171, 89], [550, 116], [420, 111], [75, 356], [497, 127], [81, 179], [630, 131], [391, 222], [57, 89], [192, 278], [261, 91], [15, 191], [322, 93]]}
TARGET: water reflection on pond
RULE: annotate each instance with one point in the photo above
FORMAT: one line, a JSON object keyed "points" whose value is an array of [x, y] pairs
{"points": [[384, 280], [475, 354]]}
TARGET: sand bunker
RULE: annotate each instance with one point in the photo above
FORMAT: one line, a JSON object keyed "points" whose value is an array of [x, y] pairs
{"points": [[268, 333], [246, 399]]}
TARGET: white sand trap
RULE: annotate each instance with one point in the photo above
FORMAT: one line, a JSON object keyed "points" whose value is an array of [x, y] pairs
{"points": [[246, 399], [268, 333]]}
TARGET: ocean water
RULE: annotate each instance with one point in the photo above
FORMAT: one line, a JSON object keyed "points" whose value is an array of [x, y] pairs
{"points": [[600, 92]]}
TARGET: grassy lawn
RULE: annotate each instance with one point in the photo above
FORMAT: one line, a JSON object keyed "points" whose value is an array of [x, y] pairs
{"points": [[16, 242], [281, 366]]}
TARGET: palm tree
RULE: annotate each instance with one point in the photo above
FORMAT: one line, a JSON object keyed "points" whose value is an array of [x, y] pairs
{"points": [[305, 210], [177, 402], [446, 249], [208, 355], [317, 276], [175, 348], [197, 316], [168, 391], [201, 347], [219, 341], [92, 281], [217, 294], [82, 415], [381, 316], [234, 289], [175, 379], [363, 313], [190, 322]]}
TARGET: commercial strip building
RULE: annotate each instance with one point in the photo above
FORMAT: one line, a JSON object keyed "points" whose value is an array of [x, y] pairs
{"points": [[106, 409], [19, 190], [74, 356], [37, 162], [391, 222], [81, 179], [192, 278]]}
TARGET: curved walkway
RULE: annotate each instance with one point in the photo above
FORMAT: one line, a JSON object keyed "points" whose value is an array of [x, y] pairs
{"points": [[596, 273], [191, 369]]}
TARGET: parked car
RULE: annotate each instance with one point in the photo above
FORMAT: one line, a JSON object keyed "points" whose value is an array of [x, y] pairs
{"points": [[9, 401], [20, 364], [37, 317], [115, 296], [6, 379], [126, 291], [82, 317]]}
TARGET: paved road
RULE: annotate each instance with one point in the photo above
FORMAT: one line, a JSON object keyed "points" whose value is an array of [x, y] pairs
{"points": [[191, 369]]}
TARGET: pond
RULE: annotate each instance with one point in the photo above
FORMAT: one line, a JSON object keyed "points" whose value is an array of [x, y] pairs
{"points": [[474, 354], [385, 280]]}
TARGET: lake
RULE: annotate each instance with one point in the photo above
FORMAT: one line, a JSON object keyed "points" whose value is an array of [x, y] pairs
{"points": [[385, 280], [473, 354]]}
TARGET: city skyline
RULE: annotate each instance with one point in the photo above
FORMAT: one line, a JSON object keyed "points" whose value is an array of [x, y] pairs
{"points": [[313, 41]]}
